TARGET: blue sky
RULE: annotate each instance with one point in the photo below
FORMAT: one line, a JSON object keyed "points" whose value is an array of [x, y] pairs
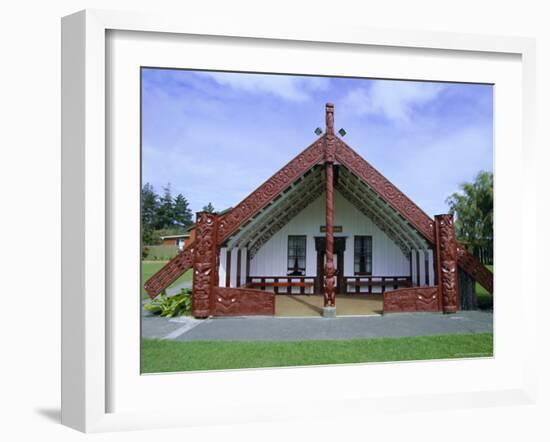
{"points": [[216, 136]]}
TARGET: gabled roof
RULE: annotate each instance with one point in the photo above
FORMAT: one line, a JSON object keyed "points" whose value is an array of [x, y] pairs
{"points": [[256, 218]]}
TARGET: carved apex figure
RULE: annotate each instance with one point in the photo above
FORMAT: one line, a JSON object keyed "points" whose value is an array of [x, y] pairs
{"points": [[330, 139], [329, 109]]}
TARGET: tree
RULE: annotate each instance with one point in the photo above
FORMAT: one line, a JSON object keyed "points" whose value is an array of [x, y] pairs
{"points": [[165, 211], [209, 208], [162, 215], [472, 208], [182, 212], [149, 207]]}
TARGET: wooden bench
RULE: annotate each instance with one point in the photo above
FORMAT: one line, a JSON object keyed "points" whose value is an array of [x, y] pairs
{"points": [[277, 282], [380, 281]]}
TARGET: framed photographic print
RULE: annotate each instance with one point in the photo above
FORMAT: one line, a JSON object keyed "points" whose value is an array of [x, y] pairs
{"points": [[279, 219]]}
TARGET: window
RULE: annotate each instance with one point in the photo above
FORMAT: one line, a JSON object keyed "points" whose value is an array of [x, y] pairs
{"points": [[297, 255], [363, 255]]}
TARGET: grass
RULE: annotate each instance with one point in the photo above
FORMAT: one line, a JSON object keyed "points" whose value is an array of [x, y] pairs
{"points": [[484, 298], [168, 356], [149, 268]]}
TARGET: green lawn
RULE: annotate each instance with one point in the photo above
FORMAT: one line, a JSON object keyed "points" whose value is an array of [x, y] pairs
{"points": [[484, 298], [165, 356], [149, 268]]}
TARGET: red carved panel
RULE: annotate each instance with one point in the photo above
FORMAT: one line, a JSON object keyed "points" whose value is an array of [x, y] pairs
{"points": [[391, 194], [446, 258], [471, 265], [170, 272], [205, 263], [240, 301], [270, 189], [412, 299]]}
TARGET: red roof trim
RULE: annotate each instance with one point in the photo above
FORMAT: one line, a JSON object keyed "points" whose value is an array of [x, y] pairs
{"points": [[382, 186], [264, 194]]}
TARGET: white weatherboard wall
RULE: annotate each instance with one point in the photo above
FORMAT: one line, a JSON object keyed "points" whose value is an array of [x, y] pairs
{"points": [[271, 259], [223, 265], [233, 269]]}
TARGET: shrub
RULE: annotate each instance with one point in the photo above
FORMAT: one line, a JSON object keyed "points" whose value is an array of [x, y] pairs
{"points": [[169, 306]]}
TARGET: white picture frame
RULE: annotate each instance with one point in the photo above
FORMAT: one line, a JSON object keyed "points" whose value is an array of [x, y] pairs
{"points": [[86, 208]]}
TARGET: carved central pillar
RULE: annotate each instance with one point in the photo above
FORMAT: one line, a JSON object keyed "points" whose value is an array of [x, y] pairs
{"points": [[205, 264], [329, 295], [447, 267]]}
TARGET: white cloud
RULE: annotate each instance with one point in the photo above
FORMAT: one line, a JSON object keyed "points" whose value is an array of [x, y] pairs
{"points": [[288, 87], [395, 100]]}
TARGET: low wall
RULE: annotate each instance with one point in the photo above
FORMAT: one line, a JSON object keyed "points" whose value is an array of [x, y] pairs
{"points": [[241, 301], [412, 299]]}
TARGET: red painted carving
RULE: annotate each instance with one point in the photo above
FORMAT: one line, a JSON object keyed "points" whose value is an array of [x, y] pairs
{"points": [[329, 115], [171, 271], [413, 299], [446, 259], [205, 264], [330, 271], [240, 301], [330, 139], [471, 265], [270, 189]]}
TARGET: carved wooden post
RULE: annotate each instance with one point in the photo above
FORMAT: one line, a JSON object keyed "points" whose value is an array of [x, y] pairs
{"points": [[329, 298], [205, 264], [447, 268]]}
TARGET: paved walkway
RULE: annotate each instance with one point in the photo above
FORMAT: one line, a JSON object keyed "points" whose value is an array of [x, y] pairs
{"points": [[254, 328]]}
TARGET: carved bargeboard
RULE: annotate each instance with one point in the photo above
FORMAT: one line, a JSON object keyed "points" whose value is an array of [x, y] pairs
{"points": [[270, 189], [239, 301], [410, 211], [380, 184], [171, 271], [471, 265], [412, 299]]}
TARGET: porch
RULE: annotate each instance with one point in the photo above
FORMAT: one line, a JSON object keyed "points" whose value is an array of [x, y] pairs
{"points": [[312, 305], [346, 285], [303, 295]]}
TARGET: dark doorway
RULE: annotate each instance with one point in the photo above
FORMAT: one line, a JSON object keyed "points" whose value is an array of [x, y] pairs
{"points": [[339, 249]]}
